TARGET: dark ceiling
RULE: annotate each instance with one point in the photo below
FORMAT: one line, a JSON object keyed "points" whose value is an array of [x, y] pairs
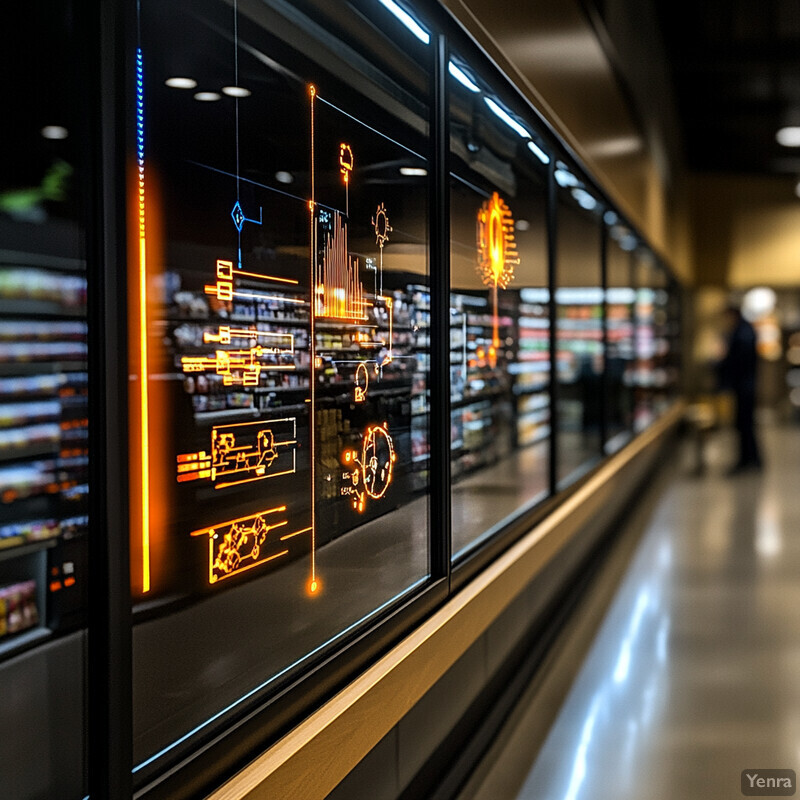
{"points": [[735, 66]]}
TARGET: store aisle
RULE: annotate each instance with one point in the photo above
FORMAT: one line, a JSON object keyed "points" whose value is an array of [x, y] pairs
{"points": [[693, 675]]}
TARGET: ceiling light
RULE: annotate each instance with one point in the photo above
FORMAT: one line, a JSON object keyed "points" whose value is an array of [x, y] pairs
{"points": [[538, 152], [565, 178], [419, 172], [207, 97], [284, 177], [610, 218], [462, 77], [796, 188], [758, 303], [615, 147], [584, 199], [522, 225], [181, 83], [236, 91], [789, 136], [506, 117], [55, 132], [407, 20]]}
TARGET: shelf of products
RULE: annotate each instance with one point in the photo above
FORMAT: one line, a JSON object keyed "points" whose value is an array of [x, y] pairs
{"points": [[480, 382], [43, 444], [502, 403], [532, 368], [579, 346]]}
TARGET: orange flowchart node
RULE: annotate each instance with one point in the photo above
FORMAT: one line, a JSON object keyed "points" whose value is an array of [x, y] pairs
{"points": [[242, 453], [237, 545], [235, 367]]}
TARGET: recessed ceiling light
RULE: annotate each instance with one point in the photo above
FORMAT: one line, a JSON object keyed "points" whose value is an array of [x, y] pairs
{"points": [[522, 225], [284, 177], [413, 171], [207, 97], [236, 91], [181, 83], [789, 136], [55, 132]]}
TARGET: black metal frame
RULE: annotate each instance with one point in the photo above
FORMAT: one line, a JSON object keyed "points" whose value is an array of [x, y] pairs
{"points": [[110, 705], [223, 750]]}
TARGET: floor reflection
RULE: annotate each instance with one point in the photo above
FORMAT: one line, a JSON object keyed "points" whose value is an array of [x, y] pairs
{"points": [[693, 674]]}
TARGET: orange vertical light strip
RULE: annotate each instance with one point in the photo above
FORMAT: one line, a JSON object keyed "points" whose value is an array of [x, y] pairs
{"points": [[144, 436], [312, 304], [144, 409]]}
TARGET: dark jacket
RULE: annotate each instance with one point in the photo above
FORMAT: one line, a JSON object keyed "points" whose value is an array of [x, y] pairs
{"points": [[737, 371]]}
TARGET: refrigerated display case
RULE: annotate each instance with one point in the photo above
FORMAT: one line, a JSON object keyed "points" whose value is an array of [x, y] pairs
{"points": [[579, 327], [620, 337], [499, 312], [280, 349]]}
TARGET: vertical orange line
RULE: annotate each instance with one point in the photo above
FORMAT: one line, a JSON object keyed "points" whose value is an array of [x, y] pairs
{"points": [[144, 405], [144, 421], [495, 321], [312, 344]]}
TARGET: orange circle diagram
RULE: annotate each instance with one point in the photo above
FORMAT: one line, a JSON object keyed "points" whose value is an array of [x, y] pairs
{"points": [[377, 461]]}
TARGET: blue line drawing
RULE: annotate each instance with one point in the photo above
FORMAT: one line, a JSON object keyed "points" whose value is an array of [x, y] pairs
{"points": [[239, 219]]}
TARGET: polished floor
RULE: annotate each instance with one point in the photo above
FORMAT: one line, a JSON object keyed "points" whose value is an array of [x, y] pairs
{"points": [[694, 673]]}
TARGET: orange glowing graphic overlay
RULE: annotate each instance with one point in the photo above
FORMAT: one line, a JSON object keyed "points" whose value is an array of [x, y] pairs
{"points": [[346, 161], [340, 293], [237, 545], [362, 383], [242, 366], [235, 367], [370, 472], [380, 222], [242, 453], [224, 289], [313, 584], [497, 255]]}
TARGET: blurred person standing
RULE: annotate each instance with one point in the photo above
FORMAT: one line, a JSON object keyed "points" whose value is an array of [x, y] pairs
{"points": [[737, 373]]}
